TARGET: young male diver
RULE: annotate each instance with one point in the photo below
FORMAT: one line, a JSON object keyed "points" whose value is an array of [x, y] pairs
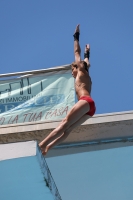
{"points": [[84, 108]]}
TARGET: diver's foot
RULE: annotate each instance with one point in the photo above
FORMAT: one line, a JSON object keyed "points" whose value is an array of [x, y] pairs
{"points": [[42, 146], [44, 152]]}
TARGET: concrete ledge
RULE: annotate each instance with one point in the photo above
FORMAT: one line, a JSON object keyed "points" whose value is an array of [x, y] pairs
{"points": [[99, 127], [62, 150]]}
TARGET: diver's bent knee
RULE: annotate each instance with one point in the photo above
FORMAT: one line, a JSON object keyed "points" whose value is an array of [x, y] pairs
{"points": [[65, 123]]}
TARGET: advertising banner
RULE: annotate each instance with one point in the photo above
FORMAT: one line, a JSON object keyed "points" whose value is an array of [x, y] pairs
{"points": [[44, 97]]}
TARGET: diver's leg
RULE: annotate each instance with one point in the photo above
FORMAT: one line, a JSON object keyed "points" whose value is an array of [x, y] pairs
{"points": [[77, 111], [65, 134]]}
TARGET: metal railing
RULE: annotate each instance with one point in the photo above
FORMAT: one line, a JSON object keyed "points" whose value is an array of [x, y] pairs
{"points": [[33, 72]]}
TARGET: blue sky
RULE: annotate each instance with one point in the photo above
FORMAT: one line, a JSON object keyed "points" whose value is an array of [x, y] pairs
{"points": [[38, 34]]}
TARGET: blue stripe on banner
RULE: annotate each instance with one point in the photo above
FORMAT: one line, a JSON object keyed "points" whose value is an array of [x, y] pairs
{"points": [[49, 100]]}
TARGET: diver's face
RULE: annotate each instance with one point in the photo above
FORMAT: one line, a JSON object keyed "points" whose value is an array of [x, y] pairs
{"points": [[74, 72]]}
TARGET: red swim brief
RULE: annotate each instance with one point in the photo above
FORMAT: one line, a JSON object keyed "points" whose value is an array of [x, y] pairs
{"points": [[91, 103]]}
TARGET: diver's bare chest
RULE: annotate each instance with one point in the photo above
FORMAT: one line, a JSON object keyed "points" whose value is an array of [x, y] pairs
{"points": [[80, 83], [83, 86]]}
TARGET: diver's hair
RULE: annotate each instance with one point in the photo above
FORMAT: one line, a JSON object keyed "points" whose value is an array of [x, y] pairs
{"points": [[74, 64]]}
